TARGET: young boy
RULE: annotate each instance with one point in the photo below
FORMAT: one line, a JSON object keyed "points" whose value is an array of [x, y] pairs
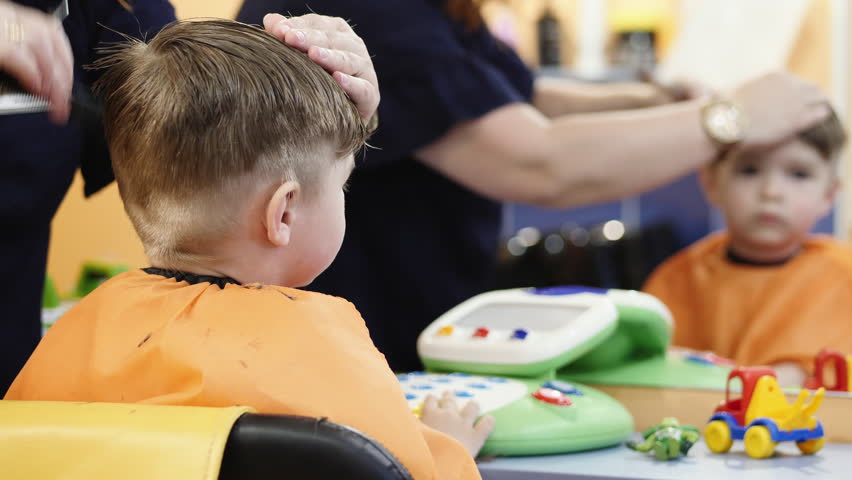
{"points": [[231, 151], [766, 292]]}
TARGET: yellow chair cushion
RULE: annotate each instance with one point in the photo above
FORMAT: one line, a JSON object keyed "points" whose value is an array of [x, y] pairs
{"points": [[91, 441]]}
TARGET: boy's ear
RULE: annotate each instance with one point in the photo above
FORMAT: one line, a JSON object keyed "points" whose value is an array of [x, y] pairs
{"points": [[707, 179], [280, 212], [830, 194]]}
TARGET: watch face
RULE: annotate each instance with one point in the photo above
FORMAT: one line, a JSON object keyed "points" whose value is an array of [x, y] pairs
{"points": [[724, 122]]}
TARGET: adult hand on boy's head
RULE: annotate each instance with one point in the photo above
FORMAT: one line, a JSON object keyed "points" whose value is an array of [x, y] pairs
{"points": [[35, 51], [444, 416], [331, 43], [777, 106]]}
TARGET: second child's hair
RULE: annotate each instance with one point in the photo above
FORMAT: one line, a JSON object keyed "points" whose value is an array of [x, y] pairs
{"points": [[828, 136], [206, 113]]}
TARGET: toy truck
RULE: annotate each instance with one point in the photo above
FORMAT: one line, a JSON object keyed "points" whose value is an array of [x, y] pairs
{"points": [[762, 417], [842, 366]]}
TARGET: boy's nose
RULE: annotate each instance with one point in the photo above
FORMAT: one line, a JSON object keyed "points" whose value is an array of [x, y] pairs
{"points": [[771, 186]]}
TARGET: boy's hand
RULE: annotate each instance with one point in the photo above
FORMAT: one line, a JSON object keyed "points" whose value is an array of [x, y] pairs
{"points": [[444, 415], [331, 43], [35, 51]]}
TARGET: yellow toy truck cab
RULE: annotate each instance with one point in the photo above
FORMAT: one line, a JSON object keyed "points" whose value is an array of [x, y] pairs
{"points": [[762, 417]]}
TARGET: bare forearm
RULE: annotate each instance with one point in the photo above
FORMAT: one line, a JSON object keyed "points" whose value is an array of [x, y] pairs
{"points": [[555, 97], [516, 154], [622, 153]]}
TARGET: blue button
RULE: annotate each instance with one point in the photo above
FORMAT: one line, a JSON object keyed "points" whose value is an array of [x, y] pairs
{"points": [[564, 387], [410, 396], [479, 386], [441, 380], [566, 290], [519, 334], [402, 378], [498, 379], [460, 374], [697, 359], [463, 394], [422, 387]]}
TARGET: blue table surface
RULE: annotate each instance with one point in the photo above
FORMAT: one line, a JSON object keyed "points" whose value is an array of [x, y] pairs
{"points": [[833, 461]]}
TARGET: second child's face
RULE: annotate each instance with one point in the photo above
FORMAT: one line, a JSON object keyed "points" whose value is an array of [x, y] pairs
{"points": [[771, 200]]}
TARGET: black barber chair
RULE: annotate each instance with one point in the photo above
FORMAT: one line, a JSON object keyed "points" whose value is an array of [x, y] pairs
{"points": [[265, 446]]}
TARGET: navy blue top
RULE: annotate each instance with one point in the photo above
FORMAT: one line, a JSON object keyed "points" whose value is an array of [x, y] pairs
{"points": [[417, 243], [37, 163]]}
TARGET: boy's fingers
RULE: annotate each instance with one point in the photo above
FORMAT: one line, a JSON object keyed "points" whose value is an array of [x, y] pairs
{"points": [[430, 403], [484, 426], [470, 411], [448, 401]]}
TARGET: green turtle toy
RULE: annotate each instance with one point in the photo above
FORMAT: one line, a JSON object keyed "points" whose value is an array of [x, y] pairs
{"points": [[669, 439]]}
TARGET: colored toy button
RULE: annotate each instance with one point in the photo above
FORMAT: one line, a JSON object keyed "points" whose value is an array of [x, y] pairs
{"points": [[463, 394], [446, 331], [417, 410], [480, 333], [519, 334], [410, 396], [564, 387], [553, 397]]}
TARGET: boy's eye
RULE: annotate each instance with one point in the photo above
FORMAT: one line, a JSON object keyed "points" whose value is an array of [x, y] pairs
{"points": [[800, 173], [747, 170]]}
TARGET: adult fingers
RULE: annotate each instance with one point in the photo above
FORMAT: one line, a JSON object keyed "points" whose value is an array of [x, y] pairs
{"points": [[22, 66], [64, 62], [363, 93]]}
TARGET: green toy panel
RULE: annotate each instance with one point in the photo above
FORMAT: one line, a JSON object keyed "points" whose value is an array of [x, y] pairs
{"points": [[530, 427], [673, 370], [533, 416]]}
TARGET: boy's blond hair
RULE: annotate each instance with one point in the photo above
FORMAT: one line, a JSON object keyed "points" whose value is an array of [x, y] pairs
{"points": [[204, 115]]}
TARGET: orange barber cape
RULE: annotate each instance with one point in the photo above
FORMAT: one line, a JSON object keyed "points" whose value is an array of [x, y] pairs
{"points": [[759, 315], [144, 338]]}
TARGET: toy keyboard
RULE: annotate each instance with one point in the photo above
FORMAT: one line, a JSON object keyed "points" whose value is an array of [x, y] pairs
{"points": [[533, 416]]}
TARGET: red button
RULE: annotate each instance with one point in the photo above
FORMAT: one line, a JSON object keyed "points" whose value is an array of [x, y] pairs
{"points": [[480, 333], [554, 397]]}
